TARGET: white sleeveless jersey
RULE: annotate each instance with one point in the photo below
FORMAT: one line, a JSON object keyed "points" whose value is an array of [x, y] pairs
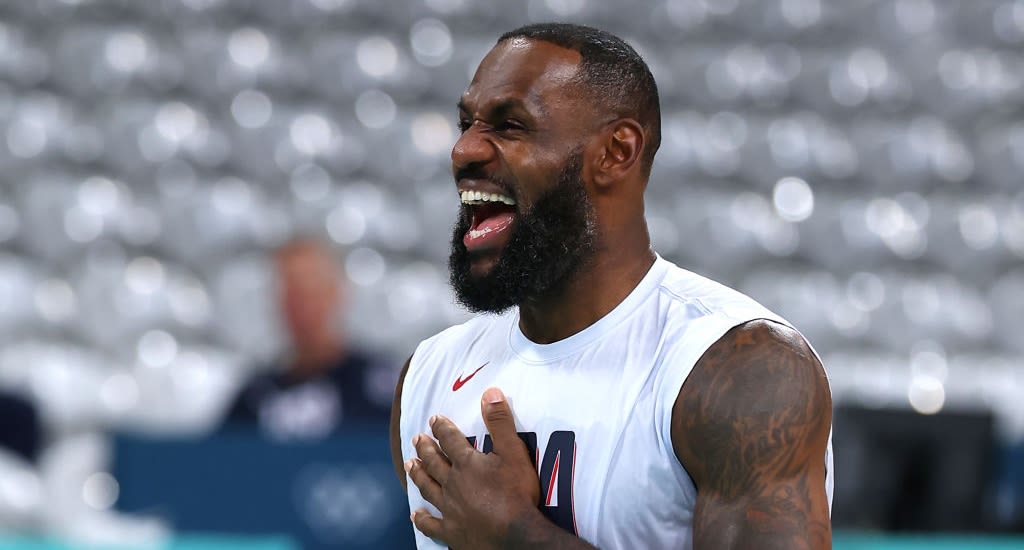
{"points": [[595, 408]]}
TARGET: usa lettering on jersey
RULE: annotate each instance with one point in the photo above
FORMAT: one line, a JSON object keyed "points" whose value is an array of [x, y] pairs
{"points": [[556, 469]]}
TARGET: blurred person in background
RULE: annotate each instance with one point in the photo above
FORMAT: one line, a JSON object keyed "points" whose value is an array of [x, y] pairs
{"points": [[653, 408], [323, 380]]}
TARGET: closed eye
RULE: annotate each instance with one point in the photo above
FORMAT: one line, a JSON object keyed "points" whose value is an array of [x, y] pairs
{"points": [[505, 125], [511, 124]]}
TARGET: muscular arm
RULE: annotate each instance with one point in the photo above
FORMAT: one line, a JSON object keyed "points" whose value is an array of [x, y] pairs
{"points": [[751, 426], [395, 426]]}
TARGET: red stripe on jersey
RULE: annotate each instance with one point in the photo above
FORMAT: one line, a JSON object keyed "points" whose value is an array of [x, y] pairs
{"points": [[554, 480]]}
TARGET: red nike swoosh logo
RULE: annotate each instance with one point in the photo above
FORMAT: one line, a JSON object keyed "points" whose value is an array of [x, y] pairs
{"points": [[460, 380]]}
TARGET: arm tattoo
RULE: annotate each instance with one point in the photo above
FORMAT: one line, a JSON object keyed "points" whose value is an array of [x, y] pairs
{"points": [[751, 426]]}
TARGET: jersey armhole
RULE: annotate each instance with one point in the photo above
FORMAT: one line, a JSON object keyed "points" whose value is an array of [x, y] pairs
{"points": [[411, 399], [697, 337]]}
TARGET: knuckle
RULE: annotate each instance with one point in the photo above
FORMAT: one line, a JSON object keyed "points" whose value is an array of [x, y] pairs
{"points": [[418, 479], [499, 413]]}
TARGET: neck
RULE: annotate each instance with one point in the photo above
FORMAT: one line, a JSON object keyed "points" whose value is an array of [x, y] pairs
{"points": [[314, 354], [592, 293]]}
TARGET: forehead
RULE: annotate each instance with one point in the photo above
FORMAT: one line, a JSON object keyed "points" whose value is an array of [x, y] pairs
{"points": [[533, 71]]}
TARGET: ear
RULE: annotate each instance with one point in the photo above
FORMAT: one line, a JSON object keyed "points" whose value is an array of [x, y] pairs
{"points": [[621, 146]]}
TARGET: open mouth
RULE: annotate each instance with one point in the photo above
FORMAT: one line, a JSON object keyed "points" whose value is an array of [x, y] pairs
{"points": [[493, 214]]}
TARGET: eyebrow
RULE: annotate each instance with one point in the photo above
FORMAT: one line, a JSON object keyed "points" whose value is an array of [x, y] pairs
{"points": [[503, 106]]}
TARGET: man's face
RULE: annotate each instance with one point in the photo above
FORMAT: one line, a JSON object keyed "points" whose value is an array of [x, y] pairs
{"points": [[526, 224], [308, 292]]}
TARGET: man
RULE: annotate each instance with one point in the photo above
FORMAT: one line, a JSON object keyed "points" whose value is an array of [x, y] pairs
{"points": [[640, 405], [325, 379]]}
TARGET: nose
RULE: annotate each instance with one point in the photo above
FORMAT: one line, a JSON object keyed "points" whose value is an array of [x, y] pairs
{"points": [[472, 149]]}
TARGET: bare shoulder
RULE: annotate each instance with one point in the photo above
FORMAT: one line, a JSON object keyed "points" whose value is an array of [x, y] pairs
{"points": [[395, 425], [755, 408]]}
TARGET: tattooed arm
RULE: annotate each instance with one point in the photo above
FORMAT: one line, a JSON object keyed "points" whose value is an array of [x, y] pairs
{"points": [[751, 425]]}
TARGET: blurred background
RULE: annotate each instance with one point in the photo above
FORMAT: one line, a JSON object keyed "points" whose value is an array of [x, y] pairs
{"points": [[224, 226]]}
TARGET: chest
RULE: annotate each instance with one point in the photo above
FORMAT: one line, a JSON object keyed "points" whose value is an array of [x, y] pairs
{"points": [[590, 395], [588, 425]]}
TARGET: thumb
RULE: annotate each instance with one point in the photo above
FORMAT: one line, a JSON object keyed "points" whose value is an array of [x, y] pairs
{"points": [[500, 423]]}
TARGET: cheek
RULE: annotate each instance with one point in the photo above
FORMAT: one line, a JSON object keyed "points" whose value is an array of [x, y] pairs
{"points": [[532, 169], [530, 183]]}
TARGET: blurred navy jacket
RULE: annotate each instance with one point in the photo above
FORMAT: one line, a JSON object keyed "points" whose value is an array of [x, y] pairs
{"points": [[357, 388]]}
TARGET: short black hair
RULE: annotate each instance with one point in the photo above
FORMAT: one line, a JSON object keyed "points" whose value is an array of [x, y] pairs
{"points": [[611, 70]]}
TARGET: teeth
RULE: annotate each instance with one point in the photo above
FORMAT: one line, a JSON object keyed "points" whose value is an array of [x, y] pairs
{"points": [[478, 197]]}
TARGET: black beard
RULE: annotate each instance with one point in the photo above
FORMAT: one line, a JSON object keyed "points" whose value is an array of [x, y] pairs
{"points": [[549, 244]]}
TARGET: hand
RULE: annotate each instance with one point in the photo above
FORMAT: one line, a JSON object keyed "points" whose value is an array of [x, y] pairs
{"points": [[479, 495]]}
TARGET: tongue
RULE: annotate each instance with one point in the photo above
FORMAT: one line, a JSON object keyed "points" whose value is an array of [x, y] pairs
{"points": [[494, 222], [489, 229]]}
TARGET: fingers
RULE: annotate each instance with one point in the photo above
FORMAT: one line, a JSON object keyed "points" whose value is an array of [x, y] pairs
{"points": [[500, 423], [453, 442], [428, 486], [432, 462], [426, 523]]}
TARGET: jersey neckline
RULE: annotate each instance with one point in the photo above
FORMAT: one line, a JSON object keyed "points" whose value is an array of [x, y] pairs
{"points": [[533, 352]]}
